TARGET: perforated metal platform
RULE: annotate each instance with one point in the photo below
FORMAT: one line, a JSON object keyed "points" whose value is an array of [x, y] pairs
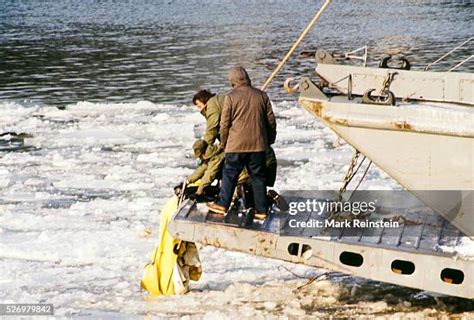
{"points": [[409, 255]]}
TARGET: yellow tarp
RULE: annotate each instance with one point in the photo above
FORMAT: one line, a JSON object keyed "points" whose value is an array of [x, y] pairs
{"points": [[158, 275]]}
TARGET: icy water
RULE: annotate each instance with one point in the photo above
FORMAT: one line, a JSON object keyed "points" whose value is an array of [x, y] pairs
{"points": [[79, 210], [60, 52]]}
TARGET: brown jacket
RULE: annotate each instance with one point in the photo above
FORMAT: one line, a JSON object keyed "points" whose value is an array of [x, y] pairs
{"points": [[247, 120]]}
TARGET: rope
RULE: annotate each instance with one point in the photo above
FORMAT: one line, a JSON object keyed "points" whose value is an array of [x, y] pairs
{"points": [[448, 53], [313, 279], [294, 274], [361, 179], [461, 63], [295, 45]]}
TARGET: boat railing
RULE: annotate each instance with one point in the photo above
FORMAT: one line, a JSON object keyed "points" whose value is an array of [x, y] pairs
{"points": [[449, 53]]}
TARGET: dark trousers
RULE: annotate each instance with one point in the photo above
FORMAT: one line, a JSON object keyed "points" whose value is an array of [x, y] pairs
{"points": [[233, 166]]}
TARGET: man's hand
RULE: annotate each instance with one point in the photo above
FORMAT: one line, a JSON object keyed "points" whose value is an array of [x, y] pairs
{"points": [[177, 189]]}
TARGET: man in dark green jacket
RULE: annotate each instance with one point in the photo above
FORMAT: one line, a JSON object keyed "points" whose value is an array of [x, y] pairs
{"points": [[212, 160], [210, 106]]}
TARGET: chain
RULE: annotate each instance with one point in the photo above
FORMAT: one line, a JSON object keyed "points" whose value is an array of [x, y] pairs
{"points": [[361, 178], [387, 82], [349, 175], [347, 179]]}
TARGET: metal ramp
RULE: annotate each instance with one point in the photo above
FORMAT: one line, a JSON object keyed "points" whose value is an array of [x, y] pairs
{"points": [[408, 256]]}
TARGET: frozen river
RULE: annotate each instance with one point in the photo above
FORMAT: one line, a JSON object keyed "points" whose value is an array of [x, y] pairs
{"points": [[79, 210], [79, 217]]}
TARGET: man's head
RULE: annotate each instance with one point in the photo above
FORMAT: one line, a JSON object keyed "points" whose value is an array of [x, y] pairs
{"points": [[199, 148], [201, 97], [238, 76]]}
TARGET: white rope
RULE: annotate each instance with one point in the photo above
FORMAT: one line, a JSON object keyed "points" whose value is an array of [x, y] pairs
{"points": [[448, 53], [461, 63]]}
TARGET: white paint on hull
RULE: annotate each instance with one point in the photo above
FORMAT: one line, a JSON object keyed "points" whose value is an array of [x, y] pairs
{"points": [[455, 87], [423, 147]]}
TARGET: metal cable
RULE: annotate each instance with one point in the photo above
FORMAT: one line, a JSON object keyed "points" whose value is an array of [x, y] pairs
{"points": [[448, 53]]}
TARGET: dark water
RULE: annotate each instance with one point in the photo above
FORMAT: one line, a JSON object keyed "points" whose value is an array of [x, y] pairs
{"points": [[61, 52]]}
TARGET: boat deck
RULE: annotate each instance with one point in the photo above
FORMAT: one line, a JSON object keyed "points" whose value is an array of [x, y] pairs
{"points": [[409, 255]]}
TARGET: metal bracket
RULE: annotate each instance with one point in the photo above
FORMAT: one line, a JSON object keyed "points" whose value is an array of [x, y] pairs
{"points": [[323, 56], [309, 90], [387, 99], [352, 55], [289, 88], [386, 96], [404, 66]]}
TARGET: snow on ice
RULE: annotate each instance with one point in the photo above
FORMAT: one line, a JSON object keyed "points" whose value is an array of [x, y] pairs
{"points": [[75, 213]]}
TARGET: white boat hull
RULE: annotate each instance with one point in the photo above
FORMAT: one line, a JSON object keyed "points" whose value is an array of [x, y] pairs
{"points": [[423, 147]]}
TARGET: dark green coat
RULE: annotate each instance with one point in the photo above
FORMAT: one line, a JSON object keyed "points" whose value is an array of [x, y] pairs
{"points": [[208, 170], [212, 113]]}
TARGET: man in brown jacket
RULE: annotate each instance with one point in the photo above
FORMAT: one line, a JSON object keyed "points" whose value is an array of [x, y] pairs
{"points": [[247, 128]]}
